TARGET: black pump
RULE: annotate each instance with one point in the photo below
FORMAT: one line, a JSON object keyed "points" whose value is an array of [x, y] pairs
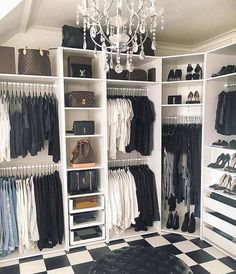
{"points": [[221, 161]]}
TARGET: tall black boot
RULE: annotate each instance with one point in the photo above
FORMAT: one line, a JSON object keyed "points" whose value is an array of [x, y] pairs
{"points": [[192, 224], [184, 227], [169, 223], [176, 221]]}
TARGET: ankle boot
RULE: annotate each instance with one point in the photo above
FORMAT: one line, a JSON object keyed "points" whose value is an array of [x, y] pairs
{"points": [[198, 73], [176, 221], [169, 223], [171, 75], [189, 75], [178, 74], [192, 224], [184, 227]]}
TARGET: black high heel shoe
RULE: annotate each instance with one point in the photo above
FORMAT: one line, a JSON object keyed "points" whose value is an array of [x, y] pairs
{"points": [[221, 161], [171, 75], [197, 73], [178, 74], [189, 75]]}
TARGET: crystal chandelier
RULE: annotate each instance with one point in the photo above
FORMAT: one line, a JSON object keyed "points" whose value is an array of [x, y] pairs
{"points": [[122, 26]]}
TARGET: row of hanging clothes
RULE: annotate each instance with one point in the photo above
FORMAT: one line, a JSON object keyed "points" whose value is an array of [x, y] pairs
{"points": [[224, 122], [31, 209], [181, 168], [28, 121], [132, 198], [130, 121]]}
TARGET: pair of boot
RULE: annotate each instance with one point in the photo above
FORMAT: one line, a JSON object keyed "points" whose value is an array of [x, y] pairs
{"points": [[197, 72], [189, 223], [173, 221]]}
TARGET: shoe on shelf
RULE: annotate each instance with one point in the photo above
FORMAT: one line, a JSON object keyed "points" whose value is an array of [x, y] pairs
{"points": [[189, 75], [196, 97], [231, 189], [184, 227], [192, 224], [232, 144], [169, 223], [229, 69], [221, 181], [221, 143], [232, 166], [220, 72], [178, 74], [197, 73], [221, 161], [176, 221], [226, 182], [171, 75], [190, 98]]}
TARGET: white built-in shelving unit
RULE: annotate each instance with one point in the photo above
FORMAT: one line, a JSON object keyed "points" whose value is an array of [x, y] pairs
{"points": [[158, 92]]}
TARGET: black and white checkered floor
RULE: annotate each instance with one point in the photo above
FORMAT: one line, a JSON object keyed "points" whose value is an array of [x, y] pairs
{"points": [[199, 255]]}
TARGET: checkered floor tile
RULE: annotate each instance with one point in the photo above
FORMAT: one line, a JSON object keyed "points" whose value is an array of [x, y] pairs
{"points": [[201, 257]]}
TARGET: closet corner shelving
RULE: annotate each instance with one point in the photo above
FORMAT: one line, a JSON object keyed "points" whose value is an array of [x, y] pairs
{"points": [[182, 87], [212, 226], [97, 84]]}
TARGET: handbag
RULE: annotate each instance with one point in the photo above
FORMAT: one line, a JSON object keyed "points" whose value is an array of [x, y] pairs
{"points": [[117, 76], [82, 181], [83, 155], [79, 67], [85, 202], [138, 75], [73, 37], [34, 62], [79, 99], [7, 60], [83, 127], [174, 99]]}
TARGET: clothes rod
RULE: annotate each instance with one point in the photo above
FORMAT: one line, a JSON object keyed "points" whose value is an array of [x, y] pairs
{"points": [[29, 167], [5, 83], [228, 85]]}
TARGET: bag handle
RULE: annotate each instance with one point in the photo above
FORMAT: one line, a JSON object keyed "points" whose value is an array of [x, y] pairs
{"points": [[25, 51]]}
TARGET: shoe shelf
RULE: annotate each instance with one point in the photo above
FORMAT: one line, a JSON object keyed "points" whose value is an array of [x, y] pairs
{"points": [[182, 82], [226, 77], [221, 170], [220, 149], [220, 192]]}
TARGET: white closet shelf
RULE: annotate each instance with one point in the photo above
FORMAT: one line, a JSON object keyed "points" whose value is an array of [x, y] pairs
{"points": [[182, 82], [28, 78], [69, 136], [86, 53], [223, 77], [83, 80], [78, 108], [84, 225], [129, 83], [85, 195], [130, 233], [82, 210], [182, 105], [220, 170], [220, 149], [69, 168], [220, 192]]}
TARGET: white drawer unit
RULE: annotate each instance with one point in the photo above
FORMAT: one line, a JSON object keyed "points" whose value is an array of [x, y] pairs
{"points": [[99, 220], [220, 224], [220, 241], [220, 207], [76, 241], [99, 204]]}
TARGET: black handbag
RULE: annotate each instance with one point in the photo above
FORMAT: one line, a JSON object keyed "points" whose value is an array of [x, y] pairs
{"points": [[73, 37], [83, 181], [83, 127], [79, 66], [174, 99], [137, 75], [117, 76]]}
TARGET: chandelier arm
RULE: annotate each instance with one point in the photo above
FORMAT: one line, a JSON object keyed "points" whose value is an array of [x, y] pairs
{"points": [[138, 11]]}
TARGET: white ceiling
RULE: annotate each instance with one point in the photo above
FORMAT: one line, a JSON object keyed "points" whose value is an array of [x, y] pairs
{"points": [[187, 22]]}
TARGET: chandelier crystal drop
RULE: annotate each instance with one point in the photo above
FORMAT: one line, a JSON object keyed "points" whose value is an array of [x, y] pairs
{"points": [[120, 26]]}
